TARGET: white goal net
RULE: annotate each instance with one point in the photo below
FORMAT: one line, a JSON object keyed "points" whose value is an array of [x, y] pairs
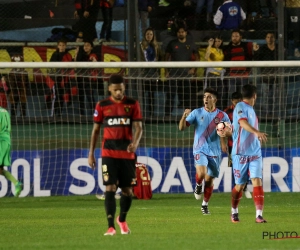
{"points": [[51, 107]]}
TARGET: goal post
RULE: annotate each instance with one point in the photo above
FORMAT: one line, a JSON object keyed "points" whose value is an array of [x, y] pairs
{"points": [[50, 141]]}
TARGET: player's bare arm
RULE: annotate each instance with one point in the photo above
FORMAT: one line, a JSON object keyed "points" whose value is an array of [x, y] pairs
{"points": [[94, 139], [138, 131], [261, 135], [223, 141], [182, 122]]}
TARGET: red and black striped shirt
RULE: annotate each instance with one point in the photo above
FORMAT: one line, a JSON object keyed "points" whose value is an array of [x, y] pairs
{"points": [[117, 119]]}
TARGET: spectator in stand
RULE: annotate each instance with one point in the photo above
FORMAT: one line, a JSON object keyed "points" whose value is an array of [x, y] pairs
{"points": [[268, 51], [237, 50], [268, 84], [18, 82], [151, 52], [268, 8], [229, 16], [209, 8], [87, 13], [106, 7], [180, 49], [61, 78], [171, 33], [144, 7], [214, 76], [85, 78], [4, 90]]}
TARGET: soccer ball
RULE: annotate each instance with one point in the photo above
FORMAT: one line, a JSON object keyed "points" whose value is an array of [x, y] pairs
{"points": [[222, 128]]}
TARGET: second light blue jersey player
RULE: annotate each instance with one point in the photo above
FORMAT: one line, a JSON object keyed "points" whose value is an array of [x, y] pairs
{"points": [[244, 142], [206, 139], [246, 153]]}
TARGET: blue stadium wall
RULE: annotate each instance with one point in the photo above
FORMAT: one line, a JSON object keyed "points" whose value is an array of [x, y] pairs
{"points": [[66, 172]]}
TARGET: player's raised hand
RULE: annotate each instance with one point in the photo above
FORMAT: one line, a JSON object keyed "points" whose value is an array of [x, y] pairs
{"points": [[262, 136], [186, 112], [92, 161]]}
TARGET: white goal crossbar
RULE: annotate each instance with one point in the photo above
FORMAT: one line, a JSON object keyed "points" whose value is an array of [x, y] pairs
{"points": [[195, 64]]}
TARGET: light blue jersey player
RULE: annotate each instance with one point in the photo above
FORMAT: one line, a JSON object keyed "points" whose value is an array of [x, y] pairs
{"points": [[207, 146], [246, 145], [246, 153]]}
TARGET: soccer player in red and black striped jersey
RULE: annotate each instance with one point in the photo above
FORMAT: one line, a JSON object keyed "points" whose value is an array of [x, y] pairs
{"points": [[122, 121]]}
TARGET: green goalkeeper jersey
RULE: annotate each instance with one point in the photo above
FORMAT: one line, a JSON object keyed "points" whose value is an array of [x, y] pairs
{"points": [[5, 126]]}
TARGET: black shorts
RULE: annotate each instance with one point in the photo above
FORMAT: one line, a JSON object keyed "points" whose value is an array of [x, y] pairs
{"points": [[120, 172]]}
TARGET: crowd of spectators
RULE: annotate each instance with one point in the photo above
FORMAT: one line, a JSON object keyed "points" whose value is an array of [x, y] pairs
{"points": [[178, 45], [178, 82], [200, 14], [225, 81]]}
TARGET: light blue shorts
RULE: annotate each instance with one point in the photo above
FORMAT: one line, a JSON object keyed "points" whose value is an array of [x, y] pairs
{"points": [[243, 165], [211, 162]]}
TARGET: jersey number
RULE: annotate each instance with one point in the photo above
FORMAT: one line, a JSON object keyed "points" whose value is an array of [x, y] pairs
{"points": [[143, 175]]}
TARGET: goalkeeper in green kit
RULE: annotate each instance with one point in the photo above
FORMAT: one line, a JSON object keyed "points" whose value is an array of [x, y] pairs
{"points": [[5, 142]]}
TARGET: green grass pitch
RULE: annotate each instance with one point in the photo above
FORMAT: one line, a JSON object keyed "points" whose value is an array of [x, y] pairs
{"points": [[168, 221]]}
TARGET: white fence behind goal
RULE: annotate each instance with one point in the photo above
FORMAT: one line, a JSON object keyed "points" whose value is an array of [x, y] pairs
{"points": [[52, 121]]}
